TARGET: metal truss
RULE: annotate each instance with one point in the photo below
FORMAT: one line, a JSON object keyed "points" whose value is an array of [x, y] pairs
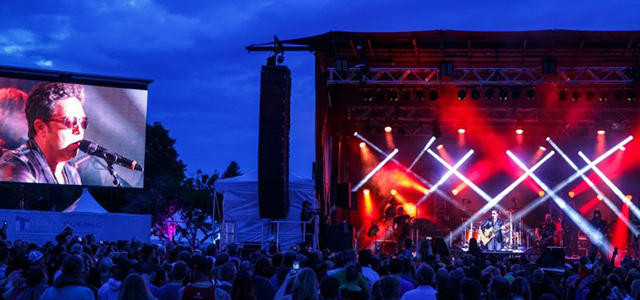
{"points": [[537, 122], [478, 76]]}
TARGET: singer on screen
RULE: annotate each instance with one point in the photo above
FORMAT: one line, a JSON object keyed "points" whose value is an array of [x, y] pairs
{"points": [[56, 121]]}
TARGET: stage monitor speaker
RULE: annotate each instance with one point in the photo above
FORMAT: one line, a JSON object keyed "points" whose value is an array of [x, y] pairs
{"points": [[345, 199], [552, 257], [273, 142], [338, 237]]}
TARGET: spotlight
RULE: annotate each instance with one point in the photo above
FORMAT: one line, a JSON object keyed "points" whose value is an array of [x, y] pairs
{"points": [[603, 96], [355, 133], [531, 94], [394, 192], [541, 193], [575, 96], [433, 95], [455, 192], [623, 148], [362, 145], [543, 148], [629, 197], [562, 95], [515, 95], [572, 194], [519, 131], [368, 96], [618, 95], [388, 129], [475, 94], [503, 94], [420, 95], [462, 94], [439, 147], [488, 94], [461, 131], [631, 95], [393, 96], [426, 191], [599, 197], [366, 191], [601, 132]]}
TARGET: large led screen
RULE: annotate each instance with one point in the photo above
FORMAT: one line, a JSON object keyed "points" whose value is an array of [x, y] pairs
{"points": [[67, 133]]}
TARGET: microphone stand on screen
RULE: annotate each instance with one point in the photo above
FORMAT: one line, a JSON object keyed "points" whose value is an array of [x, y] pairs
{"points": [[110, 158]]}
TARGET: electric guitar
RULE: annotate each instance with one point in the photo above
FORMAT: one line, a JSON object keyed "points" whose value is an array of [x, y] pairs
{"points": [[541, 242], [489, 233]]}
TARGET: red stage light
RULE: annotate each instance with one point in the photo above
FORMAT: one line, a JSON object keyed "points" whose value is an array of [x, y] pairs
{"points": [[454, 192], [394, 192], [541, 193], [388, 129], [600, 132], [519, 131], [599, 197], [439, 147], [572, 194], [461, 131], [362, 145], [366, 191]]}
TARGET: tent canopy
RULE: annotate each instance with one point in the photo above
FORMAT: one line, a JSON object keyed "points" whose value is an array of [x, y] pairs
{"points": [[241, 209], [86, 203]]}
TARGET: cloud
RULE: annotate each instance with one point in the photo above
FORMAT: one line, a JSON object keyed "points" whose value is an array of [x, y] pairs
{"points": [[44, 63]]}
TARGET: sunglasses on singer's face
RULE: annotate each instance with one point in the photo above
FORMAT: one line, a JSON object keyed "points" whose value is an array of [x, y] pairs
{"points": [[72, 122]]}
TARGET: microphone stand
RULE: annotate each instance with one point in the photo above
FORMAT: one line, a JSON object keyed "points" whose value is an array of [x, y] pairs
{"points": [[112, 171]]}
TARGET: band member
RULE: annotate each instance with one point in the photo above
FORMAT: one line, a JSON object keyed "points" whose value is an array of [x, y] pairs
{"points": [[599, 224], [545, 232], [494, 226], [56, 122], [571, 232], [402, 229], [390, 208]]}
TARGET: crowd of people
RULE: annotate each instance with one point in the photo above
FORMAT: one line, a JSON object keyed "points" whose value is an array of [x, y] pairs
{"points": [[79, 267]]}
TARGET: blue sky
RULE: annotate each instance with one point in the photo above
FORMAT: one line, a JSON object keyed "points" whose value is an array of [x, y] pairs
{"points": [[206, 86]]}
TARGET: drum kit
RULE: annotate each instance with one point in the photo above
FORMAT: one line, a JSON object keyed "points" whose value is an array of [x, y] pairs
{"points": [[512, 234]]}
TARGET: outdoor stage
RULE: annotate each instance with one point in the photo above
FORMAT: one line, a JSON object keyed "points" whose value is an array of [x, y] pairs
{"points": [[454, 124]]}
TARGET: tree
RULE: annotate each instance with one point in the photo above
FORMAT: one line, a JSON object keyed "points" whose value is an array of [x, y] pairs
{"points": [[233, 170], [197, 207]]}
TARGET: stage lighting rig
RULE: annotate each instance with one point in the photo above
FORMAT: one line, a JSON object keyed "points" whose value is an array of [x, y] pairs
{"points": [[433, 95], [575, 96], [531, 94], [515, 95], [420, 95], [503, 94], [462, 94], [475, 94], [488, 94]]}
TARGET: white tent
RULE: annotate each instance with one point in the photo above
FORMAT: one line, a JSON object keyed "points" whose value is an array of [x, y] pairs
{"points": [[241, 210], [86, 203]]}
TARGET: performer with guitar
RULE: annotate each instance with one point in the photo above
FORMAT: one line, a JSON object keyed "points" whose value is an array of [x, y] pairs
{"points": [[401, 226], [545, 233], [492, 232], [599, 224]]}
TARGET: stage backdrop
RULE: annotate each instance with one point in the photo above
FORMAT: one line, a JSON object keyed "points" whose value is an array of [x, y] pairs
{"points": [[117, 121]]}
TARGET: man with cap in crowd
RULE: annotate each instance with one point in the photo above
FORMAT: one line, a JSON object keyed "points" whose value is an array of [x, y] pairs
{"points": [[70, 284], [425, 291]]}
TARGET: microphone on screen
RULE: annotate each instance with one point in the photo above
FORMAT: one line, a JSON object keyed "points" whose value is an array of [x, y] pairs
{"points": [[109, 156]]}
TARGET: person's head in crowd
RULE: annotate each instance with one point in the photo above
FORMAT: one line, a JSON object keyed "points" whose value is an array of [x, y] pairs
{"points": [[148, 271], [349, 257], [73, 267], [305, 285], [261, 266], [538, 275], [425, 275], [122, 270], [227, 272], [520, 287], [516, 269], [179, 271], [134, 287], [222, 259], [448, 289], [492, 271], [212, 250], [408, 244], [329, 288], [200, 268], [471, 289], [635, 289], [474, 272], [36, 276], [352, 273], [389, 288], [613, 280], [277, 260], [364, 257], [547, 296], [105, 265], [242, 287], [289, 258], [232, 249], [245, 267], [499, 288], [395, 266], [35, 257], [457, 274], [407, 267], [184, 256]]}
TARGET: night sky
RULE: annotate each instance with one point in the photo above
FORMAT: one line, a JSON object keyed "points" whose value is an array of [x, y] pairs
{"points": [[206, 85]]}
